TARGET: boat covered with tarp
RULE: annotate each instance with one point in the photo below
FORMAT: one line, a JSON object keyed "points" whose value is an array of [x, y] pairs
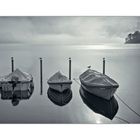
{"points": [[16, 85], [106, 108], [59, 82], [60, 99], [98, 84]]}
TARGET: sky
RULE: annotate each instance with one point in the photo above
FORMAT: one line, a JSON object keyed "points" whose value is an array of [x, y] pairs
{"points": [[66, 30]]}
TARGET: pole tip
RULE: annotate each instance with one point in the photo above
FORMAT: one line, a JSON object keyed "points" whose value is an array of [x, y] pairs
{"points": [[103, 58], [69, 58]]}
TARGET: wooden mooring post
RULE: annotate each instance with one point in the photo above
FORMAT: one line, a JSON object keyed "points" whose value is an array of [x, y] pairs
{"points": [[12, 64], [69, 68], [103, 65], [41, 77]]}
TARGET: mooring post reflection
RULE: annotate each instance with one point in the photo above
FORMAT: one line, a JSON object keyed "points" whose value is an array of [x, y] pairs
{"points": [[60, 98], [15, 100], [16, 86], [41, 77], [107, 108], [103, 65]]}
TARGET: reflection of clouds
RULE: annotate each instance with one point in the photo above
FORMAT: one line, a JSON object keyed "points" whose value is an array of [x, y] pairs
{"points": [[98, 120], [94, 118], [98, 47]]}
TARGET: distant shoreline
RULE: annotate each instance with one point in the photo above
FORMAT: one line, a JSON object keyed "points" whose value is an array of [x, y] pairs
{"points": [[133, 38]]}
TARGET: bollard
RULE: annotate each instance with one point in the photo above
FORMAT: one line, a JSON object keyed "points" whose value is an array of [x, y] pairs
{"points": [[12, 63], [103, 65], [69, 68], [41, 78]]}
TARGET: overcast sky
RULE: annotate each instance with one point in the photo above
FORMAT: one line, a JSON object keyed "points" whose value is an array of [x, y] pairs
{"points": [[66, 30]]}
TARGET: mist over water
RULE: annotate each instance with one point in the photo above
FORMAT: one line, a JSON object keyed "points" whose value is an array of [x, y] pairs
{"points": [[122, 64]]}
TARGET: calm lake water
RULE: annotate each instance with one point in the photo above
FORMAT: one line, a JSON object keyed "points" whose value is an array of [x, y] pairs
{"points": [[122, 64]]}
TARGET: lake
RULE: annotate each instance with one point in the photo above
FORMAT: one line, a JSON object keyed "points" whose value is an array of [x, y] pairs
{"points": [[122, 64]]}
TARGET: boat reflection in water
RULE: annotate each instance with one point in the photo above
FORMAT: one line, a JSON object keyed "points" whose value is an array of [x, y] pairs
{"points": [[16, 86], [60, 98], [107, 108]]}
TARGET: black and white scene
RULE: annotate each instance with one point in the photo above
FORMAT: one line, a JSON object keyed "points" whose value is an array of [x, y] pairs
{"points": [[70, 69]]}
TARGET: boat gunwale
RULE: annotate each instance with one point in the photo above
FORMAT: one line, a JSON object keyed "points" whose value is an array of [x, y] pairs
{"points": [[100, 86], [51, 83], [96, 85], [9, 82]]}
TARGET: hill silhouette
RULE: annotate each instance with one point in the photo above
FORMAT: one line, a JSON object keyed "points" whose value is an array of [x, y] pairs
{"points": [[133, 38]]}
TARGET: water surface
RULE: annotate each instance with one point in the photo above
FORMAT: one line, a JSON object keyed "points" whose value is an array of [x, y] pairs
{"points": [[122, 64]]}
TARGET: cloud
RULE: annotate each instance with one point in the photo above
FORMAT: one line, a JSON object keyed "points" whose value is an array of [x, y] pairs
{"points": [[121, 26], [66, 30]]}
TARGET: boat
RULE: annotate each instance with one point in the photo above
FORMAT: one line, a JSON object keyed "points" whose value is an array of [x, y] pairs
{"points": [[59, 82], [16, 85], [98, 84], [106, 108], [58, 98]]}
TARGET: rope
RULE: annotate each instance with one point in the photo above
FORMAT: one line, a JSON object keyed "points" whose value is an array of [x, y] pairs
{"points": [[76, 81], [121, 101], [122, 119], [127, 105]]}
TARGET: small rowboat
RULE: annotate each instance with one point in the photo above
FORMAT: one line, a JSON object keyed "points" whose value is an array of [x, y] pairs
{"points": [[59, 82], [16, 86], [98, 84]]}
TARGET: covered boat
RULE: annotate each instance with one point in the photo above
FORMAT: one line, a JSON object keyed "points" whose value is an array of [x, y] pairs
{"points": [[60, 99], [59, 82], [16, 85], [107, 108], [98, 84]]}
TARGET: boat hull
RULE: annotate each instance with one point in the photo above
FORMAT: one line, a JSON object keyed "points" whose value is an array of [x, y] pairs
{"points": [[60, 86], [102, 92], [98, 84], [7, 93]]}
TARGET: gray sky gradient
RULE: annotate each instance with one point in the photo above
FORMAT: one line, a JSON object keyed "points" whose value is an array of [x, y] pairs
{"points": [[66, 30]]}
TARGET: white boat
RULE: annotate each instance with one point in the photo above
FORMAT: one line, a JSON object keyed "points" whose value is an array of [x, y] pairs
{"points": [[98, 84], [59, 82]]}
